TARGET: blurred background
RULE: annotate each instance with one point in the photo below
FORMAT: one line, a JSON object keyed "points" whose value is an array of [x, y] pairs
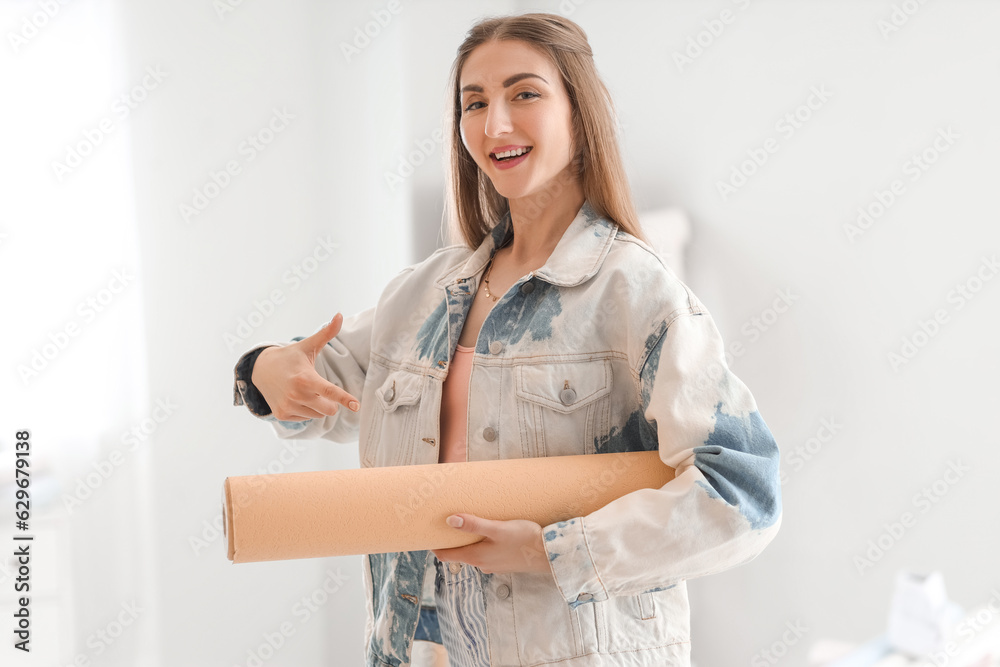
{"points": [[183, 180]]}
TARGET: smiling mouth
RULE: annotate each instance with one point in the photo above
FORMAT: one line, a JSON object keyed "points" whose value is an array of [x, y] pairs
{"points": [[510, 155]]}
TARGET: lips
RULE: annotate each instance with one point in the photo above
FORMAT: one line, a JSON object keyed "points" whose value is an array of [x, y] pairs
{"points": [[503, 164], [501, 150]]}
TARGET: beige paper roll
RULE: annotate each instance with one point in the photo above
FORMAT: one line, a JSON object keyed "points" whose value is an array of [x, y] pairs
{"points": [[403, 508]]}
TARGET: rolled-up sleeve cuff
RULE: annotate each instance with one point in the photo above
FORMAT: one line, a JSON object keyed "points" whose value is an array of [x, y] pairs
{"points": [[572, 565], [244, 391]]}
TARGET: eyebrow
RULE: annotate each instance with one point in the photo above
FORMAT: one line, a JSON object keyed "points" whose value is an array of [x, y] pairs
{"points": [[508, 82]]}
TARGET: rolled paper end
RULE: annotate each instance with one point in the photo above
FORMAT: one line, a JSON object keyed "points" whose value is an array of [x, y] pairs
{"points": [[227, 519]]}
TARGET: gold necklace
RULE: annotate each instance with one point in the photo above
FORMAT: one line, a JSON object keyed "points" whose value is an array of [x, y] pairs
{"points": [[486, 282], [486, 278]]}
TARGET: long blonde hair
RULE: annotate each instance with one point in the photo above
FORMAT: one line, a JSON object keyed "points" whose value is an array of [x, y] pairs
{"points": [[473, 205]]}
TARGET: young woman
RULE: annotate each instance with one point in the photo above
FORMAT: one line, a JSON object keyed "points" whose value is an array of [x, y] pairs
{"points": [[553, 329]]}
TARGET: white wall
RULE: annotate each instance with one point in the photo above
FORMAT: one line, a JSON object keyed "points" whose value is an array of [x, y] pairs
{"points": [[684, 129]]}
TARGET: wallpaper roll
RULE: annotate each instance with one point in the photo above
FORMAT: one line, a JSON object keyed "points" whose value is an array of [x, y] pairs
{"points": [[403, 508]]}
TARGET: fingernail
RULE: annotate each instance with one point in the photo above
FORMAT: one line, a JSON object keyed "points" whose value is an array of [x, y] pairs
{"points": [[454, 521], [353, 405]]}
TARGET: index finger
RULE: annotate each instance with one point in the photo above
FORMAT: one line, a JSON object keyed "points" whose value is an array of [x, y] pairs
{"points": [[329, 397]]}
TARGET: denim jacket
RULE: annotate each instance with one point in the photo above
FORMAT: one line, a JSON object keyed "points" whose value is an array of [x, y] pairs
{"points": [[602, 349]]}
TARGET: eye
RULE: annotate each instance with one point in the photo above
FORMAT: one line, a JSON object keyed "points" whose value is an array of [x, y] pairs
{"points": [[527, 92], [469, 108]]}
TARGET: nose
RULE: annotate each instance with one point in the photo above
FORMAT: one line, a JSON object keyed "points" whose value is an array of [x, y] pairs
{"points": [[497, 120]]}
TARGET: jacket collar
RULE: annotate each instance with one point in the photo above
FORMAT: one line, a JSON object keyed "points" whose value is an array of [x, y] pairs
{"points": [[577, 256]]}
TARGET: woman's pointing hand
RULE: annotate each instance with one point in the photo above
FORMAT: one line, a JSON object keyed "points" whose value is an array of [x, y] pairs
{"points": [[287, 379]]}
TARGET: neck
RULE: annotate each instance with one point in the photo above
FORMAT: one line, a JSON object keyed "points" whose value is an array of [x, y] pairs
{"points": [[540, 219]]}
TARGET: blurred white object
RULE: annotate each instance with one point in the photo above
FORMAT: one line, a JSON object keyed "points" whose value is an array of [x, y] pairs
{"points": [[921, 619], [826, 651], [870, 654], [668, 231], [975, 643], [428, 654]]}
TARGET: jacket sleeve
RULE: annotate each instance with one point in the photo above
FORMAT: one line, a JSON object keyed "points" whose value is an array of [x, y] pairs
{"points": [[343, 362], [724, 504]]}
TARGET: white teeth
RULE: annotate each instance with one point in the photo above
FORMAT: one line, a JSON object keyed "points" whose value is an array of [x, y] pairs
{"points": [[511, 153]]}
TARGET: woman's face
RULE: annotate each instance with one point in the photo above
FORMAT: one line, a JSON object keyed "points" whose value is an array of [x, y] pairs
{"points": [[512, 97]]}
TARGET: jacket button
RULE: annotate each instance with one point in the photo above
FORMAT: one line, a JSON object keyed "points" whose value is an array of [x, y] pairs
{"points": [[567, 396], [496, 347], [489, 434], [527, 288], [455, 567], [389, 394], [584, 597], [503, 590]]}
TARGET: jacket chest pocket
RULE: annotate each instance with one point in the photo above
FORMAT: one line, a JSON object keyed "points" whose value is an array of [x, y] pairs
{"points": [[562, 406], [646, 620], [394, 420]]}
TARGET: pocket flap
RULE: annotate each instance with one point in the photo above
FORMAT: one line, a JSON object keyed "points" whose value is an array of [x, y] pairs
{"points": [[564, 387], [399, 388]]}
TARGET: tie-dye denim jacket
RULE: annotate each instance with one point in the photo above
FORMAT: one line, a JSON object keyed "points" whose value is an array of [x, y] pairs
{"points": [[602, 349]]}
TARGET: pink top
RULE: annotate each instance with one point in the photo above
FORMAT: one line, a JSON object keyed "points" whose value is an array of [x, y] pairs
{"points": [[455, 407]]}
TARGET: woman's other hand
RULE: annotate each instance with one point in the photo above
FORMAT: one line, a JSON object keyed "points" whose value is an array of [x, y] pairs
{"points": [[287, 379], [510, 546]]}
